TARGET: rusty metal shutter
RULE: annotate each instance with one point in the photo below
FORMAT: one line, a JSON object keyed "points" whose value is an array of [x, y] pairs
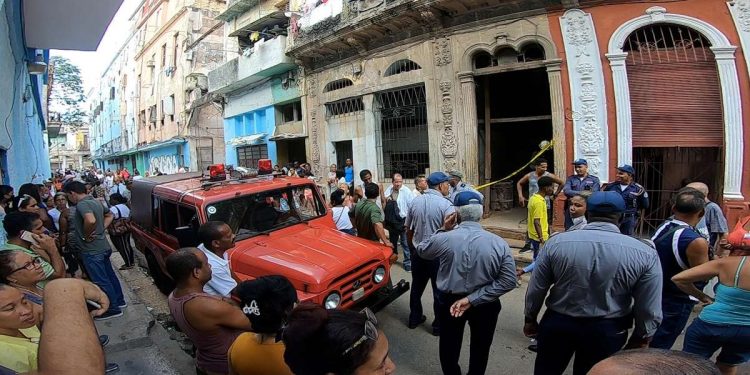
{"points": [[675, 104]]}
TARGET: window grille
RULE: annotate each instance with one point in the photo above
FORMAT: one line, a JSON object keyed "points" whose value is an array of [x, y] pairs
{"points": [[338, 84], [248, 156], [344, 107], [666, 43], [404, 143], [401, 66]]}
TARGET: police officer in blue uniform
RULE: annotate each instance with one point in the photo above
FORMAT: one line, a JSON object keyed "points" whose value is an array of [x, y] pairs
{"points": [[457, 185], [635, 196], [579, 183]]}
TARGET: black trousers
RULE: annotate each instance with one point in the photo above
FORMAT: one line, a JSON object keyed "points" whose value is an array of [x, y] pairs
{"points": [[482, 321], [422, 272], [122, 244], [590, 339]]}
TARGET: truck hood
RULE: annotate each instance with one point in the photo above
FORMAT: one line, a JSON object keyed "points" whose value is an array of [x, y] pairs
{"points": [[307, 253]]}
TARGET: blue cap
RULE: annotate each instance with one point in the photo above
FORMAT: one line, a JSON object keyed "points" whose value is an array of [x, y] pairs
{"points": [[437, 178], [580, 162], [605, 202], [467, 197], [627, 169]]}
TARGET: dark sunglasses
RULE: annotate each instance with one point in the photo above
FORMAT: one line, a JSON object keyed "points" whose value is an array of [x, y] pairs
{"points": [[30, 265], [371, 331]]}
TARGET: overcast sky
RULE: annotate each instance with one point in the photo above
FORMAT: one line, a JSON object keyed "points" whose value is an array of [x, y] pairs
{"points": [[92, 64]]}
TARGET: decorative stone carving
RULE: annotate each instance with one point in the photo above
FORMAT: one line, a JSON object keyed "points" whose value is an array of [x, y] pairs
{"points": [[312, 85], [741, 13], [448, 141], [587, 88], [443, 52], [314, 139]]}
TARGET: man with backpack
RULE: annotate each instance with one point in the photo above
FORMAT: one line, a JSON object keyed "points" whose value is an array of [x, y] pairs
{"points": [[680, 247], [396, 201]]}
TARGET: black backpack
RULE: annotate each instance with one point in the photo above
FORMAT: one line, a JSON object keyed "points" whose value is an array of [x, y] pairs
{"points": [[393, 219]]}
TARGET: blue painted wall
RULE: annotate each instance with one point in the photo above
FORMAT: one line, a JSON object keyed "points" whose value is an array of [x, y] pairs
{"points": [[168, 159], [24, 149], [259, 121]]}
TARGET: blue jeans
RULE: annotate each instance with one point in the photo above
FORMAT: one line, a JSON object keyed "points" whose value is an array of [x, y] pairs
{"points": [[102, 274], [676, 314], [535, 247], [704, 339], [397, 238]]}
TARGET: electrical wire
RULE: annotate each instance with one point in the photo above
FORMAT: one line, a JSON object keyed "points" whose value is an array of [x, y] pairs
{"points": [[13, 99]]}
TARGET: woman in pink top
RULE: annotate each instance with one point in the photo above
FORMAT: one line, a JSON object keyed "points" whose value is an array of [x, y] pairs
{"points": [[211, 323]]}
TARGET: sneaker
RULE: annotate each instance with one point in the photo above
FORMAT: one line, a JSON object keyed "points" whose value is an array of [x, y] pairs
{"points": [[124, 305], [103, 340], [533, 346], [111, 367], [109, 315]]}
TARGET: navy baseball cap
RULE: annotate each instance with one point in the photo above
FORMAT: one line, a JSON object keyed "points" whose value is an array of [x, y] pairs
{"points": [[467, 197], [580, 162], [437, 178], [605, 202], [627, 169]]}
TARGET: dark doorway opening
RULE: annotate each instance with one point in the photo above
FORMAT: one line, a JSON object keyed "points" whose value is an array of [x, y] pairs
{"points": [[663, 171], [515, 117], [290, 150], [343, 151]]}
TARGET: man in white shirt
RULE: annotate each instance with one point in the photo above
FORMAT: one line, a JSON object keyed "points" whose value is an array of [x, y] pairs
{"points": [[403, 196], [216, 238]]}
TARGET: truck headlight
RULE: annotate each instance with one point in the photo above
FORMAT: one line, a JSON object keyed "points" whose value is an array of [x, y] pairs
{"points": [[379, 275], [332, 301]]}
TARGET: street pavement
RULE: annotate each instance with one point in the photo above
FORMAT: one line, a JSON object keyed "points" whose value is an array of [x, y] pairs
{"points": [[139, 349]]}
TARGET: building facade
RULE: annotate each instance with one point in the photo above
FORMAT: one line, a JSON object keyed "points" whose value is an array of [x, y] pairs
{"points": [[151, 109], [68, 145], [27, 31], [415, 86], [259, 87]]}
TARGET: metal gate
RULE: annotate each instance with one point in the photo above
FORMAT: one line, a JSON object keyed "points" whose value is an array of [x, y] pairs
{"points": [[403, 143], [664, 171]]}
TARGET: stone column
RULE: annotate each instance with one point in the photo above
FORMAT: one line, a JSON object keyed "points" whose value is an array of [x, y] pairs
{"points": [[733, 132], [622, 108], [470, 132], [554, 77], [373, 158]]}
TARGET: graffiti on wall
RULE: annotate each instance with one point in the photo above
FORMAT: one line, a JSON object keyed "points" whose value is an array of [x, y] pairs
{"points": [[166, 164]]}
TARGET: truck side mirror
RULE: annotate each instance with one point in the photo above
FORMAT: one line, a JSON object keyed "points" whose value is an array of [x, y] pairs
{"points": [[186, 236]]}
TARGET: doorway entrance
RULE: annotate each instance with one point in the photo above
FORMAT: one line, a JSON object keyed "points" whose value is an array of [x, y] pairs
{"points": [[343, 151], [290, 150], [515, 117]]}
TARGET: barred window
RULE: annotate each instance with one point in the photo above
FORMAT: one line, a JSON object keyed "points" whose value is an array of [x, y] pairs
{"points": [[401, 66], [404, 143], [344, 107], [338, 84], [248, 156]]}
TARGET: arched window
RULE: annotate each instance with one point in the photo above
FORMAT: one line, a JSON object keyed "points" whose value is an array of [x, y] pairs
{"points": [[482, 59], [338, 84], [531, 52], [401, 66]]}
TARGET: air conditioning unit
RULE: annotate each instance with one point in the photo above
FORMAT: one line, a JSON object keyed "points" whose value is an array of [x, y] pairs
{"points": [[150, 63], [189, 55]]}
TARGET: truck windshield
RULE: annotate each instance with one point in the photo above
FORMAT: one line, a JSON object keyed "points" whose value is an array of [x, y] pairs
{"points": [[253, 214]]}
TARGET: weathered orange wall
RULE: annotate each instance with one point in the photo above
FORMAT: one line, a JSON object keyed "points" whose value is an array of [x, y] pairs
{"points": [[607, 18]]}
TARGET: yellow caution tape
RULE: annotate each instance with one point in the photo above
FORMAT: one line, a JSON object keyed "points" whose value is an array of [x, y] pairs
{"points": [[538, 154]]}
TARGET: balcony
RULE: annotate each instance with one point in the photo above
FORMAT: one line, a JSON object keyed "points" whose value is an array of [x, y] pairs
{"points": [[267, 59], [236, 8], [340, 29]]}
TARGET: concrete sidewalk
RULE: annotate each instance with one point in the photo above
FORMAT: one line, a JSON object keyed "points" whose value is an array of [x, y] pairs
{"points": [[138, 343]]}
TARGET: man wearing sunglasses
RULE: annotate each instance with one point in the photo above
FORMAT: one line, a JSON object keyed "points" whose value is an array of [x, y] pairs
{"points": [[476, 268]]}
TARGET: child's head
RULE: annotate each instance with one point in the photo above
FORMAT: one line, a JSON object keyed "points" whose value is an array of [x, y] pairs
{"points": [[577, 206]]}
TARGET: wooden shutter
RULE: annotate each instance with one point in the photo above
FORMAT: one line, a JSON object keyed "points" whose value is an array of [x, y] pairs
{"points": [[675, 104]]}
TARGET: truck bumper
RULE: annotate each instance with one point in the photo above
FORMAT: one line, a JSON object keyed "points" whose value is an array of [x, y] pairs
{"points": [[386, 295]]}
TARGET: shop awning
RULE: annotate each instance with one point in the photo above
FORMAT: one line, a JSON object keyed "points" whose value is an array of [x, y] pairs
{"points": [[248, 140], [284, 136]]}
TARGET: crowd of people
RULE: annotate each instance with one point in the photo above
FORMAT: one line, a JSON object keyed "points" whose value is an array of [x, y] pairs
{"points": [[597, 281]]}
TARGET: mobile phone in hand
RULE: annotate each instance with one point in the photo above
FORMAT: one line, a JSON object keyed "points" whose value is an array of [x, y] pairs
{"points": [[29, 237]]}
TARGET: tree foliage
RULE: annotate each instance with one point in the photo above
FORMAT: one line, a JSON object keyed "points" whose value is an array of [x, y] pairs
{"points": [[67, 97]]}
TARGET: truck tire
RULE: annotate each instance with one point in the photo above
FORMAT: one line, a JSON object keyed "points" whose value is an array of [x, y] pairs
{"points": [[162, 281]]}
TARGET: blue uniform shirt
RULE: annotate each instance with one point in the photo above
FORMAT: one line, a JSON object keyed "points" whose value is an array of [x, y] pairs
{"points": [[635, 196], [575, 185]]}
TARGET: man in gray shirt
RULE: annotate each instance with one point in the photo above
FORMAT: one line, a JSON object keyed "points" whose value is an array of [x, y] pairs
{"points": [[598, 280], [91, 219], [476, 268], [427, 213]]}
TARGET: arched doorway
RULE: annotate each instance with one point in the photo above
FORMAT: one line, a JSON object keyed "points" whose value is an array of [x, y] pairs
{"points": [[676, 109]]}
